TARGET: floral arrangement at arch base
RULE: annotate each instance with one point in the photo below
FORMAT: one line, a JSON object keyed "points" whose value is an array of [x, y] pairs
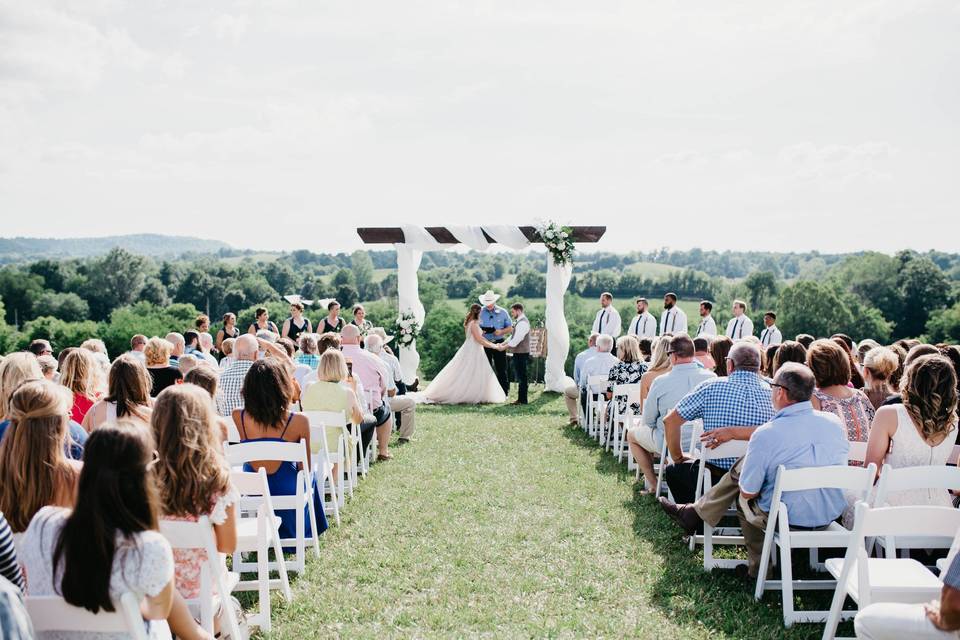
{"points": [[559, 241], [407, 329]]}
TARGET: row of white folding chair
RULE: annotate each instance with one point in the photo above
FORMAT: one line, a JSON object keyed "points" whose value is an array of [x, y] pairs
{"points": [[596, 385], [867, 580], [322, 423], [720, 535], [623, 395], [53, 613], [696, 428], [940, 478]]}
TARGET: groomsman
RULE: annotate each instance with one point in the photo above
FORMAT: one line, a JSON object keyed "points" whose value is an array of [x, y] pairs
{"points": [[495, 323], [771, 335], [674, 319], [740, 326], [607, 320], [644, 325], [707, 325], [519, 346]]}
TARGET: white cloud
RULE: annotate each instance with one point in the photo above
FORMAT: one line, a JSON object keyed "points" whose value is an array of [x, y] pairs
{"points": [[228, 27]]}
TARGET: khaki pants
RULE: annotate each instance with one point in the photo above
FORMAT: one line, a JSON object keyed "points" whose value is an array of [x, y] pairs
{"points": [[571, 395], [407, 408]]}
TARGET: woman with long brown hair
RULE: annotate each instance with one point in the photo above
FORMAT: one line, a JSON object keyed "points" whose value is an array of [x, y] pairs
{"points": [[79, 374], [719, 348], [128, 395], [34, 468]]}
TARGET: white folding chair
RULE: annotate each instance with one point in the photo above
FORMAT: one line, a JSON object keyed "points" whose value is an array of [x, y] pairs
{"points": [[696, 428], [295, 452], [868, 580], [322, 423], [856, 480], [53, 613], [596, 385], [200, 535], [934, 478], [257, 532], [719, 535], [629, 393]]}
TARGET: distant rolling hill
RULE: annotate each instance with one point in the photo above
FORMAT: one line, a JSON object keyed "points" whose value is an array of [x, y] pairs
{"points": [[148, 244]]}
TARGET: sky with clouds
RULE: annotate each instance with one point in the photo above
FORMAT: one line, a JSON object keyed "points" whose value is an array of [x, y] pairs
{"points": [[281, 125]]}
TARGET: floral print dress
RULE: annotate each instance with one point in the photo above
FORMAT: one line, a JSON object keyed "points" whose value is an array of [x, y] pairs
{"points": [[626, 373]]}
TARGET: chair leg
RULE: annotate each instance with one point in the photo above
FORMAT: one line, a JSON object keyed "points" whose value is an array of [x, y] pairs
{"points": [[263, 577], [281, 567], [786, 585]]}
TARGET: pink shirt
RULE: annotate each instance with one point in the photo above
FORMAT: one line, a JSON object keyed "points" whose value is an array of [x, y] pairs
{"points": [[371, 371]]}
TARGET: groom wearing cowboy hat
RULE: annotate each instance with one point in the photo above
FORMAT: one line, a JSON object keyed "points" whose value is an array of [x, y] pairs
{"points": [[495, 323]]}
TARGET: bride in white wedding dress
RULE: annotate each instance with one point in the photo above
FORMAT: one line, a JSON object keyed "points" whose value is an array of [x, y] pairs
{"points": [[468, 378]]}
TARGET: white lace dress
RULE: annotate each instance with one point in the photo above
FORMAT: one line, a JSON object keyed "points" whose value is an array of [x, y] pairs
{"points": [[468, 378]]}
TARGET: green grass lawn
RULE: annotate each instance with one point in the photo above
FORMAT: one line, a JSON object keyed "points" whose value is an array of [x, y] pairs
{"points": [[504, 522]]}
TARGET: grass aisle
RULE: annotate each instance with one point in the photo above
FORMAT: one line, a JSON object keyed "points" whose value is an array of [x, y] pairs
{"points": [[501, 521]]}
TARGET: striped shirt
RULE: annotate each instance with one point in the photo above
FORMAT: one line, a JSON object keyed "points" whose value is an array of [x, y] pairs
{"points": [[9, 567]]}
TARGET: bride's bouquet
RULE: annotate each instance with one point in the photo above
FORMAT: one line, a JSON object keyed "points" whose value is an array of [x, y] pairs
{"points": [[407, 329]]}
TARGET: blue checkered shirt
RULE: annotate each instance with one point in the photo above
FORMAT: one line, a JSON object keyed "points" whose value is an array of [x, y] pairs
{"points": [[742, 399]]}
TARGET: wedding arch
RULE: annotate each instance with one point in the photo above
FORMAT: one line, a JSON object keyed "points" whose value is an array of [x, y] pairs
{"points": [[411, 241]]}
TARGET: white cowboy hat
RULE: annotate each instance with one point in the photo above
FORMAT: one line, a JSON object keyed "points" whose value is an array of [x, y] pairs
{"points": [[488, 298], [380, 331]]}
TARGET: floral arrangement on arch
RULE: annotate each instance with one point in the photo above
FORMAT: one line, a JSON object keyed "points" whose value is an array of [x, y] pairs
{"points": [[407, 329], [558, 240]]}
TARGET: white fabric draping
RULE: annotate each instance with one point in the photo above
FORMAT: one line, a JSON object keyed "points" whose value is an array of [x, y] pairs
{"points": [[508, 236], [471, 236], [419, 238], [558, 334], [408, 295]]}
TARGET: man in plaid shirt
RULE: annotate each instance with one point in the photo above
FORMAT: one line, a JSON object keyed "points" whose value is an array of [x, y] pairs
{"points": [[730, 408]]}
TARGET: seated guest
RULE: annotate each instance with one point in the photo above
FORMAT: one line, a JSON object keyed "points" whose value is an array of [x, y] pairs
{"points": [[48, 368], [206, 349], [265, 417], [226, 348], [719, 349], [191, 342], [9, 566], [187, 436], [109, 544], [856, 379], [769, 356], [863, 348], [730, 407], [629, 370], [805, 339], [16, 369], [308, 351], [389, 359], [40, 348], [373, 375], [701, 351], [659, 366], [879, 365], [646, 439], [796, 437], [186, 362], [177, 346], [34, 470], [830, 364], [228, 395], [571, 394], [326, 341], [128, 395], [294, 368], [206, 378], [403, 405], [789, 351], [162, 373], [598, 365], [138, 344], [646, 348], [331, 393], [79, 375]]}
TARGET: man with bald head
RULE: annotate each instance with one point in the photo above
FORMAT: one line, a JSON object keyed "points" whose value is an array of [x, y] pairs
{"points": [[228, 395], [730, 407]]}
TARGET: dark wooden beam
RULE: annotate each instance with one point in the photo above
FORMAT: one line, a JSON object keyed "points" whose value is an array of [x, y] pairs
{"points": [[390, 235]]}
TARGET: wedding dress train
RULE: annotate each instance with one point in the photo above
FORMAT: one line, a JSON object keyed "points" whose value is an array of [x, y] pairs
{"points": [[468, 378]]}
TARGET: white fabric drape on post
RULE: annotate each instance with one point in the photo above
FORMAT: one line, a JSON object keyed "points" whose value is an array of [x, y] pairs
{"points": [[408, 295], [558, 334]]}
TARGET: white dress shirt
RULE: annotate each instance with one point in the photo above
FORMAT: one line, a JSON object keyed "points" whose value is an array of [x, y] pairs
{"points": [[644, 325], [607, 322], [771, 336], [520, 330], [708, 327], [739, 327], [673, 321]]}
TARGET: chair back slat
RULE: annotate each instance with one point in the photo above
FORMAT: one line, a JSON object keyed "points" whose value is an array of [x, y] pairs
{"points": [[908, 521], [923, 477], [53, 613], [728, 449], [858, 479], [240, 453]]}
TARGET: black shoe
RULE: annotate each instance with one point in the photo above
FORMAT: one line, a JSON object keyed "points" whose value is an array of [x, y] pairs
{"points": [[518, 402], [684, 515], [403, 440], [742, 572]]}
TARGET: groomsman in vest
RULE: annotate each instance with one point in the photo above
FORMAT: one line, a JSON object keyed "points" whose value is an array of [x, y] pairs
{"points": [[708, 327], [607, 320], [674, 319], [644, 325], [770, 336], [740, 326], [519, 346], [495, 323]]}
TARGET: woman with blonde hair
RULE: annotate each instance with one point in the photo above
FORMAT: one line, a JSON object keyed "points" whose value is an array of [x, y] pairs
{"points": [[34, 469], [80, 374], [162, 373], [332, 393], [879, 366], [128, 395], [629, 370], [659, 365]]}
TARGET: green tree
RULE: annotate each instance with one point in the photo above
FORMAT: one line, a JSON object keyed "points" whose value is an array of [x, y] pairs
{"points": [[762, 286], [146, 318], [342, 277], [924, 288], [113, 281], [872, 277], [60, 334], [362, 267], [529, 284], [441, 336], [347, 295], [944, 325], [811, 307], [19, 291], [69, 307], [282, 277]]}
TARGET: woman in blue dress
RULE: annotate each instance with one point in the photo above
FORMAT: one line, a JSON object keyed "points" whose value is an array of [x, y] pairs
{"points": [[266, 417]]}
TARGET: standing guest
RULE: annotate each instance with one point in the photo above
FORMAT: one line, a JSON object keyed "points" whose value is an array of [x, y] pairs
{"points": [[719, 349], [178, 346], [730, 407], [789, 351], [629, 370], [265, 417], [228, 330], [202, 323], [161, 371], [879, 365], [360, 320], [659, 366], [262, 322], [332, 322], [519, 346], [646, 439], [830, 364], [740, 325], [404, 405], [9, 565], [495, 323], [206, 349], [708, 327], [373, 375], [79, 375], [226, 348], [308, 351], [48, 367], [571, 394], [229, 395], [644, 325], [805, 339], [137, 345], [770, 336], [128, 395], [34, 470], [674, 319], [40, 347], [701, 353], [607, 321], [296, 323], [109, 544]]}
